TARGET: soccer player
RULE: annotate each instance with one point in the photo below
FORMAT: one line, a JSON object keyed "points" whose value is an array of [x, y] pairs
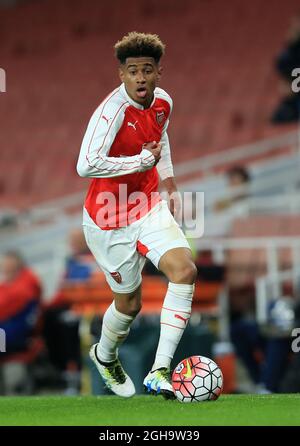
{"points": [[125, 150]]}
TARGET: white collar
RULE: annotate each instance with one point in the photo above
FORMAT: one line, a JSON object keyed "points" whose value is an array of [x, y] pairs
{"points": [[131, 101]]}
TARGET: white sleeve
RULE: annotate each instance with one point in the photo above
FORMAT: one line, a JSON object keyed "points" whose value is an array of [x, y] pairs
{"points": [[94, 160], [165, 166]]}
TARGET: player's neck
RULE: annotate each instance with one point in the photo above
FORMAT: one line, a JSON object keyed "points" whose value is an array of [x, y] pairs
{"points": [[148, 103]]}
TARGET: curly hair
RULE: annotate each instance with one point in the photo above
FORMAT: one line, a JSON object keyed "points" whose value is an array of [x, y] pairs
{"points": [[136, 44]]}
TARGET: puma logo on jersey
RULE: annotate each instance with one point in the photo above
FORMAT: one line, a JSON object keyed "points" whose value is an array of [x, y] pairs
{"points": [[130, 124], [106, 119]]}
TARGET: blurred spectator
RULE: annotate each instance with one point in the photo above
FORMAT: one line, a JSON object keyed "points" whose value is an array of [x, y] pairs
{"points": [[291, 381], [238, 176], [288, 109], [264, 350], [20, 293], [80, 264], [289, 57], [238, 180], [61, 324], [20, 307]]}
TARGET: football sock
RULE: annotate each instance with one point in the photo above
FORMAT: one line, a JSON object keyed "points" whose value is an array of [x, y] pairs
{"points": [[115, 329], [174, 318]]}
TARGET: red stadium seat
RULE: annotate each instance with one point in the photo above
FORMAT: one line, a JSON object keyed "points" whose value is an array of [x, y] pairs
{"points": [[219, 69]]}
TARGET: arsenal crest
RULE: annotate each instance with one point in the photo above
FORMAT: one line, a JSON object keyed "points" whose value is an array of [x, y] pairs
{"points": [[116, 276], [160, 117]]}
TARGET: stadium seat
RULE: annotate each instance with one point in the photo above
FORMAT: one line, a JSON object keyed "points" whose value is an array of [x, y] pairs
{"points": [[223, 93], [244, 265]]}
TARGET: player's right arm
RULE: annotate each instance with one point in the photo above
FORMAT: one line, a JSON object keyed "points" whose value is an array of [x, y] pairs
{"points": [[94, 160]]}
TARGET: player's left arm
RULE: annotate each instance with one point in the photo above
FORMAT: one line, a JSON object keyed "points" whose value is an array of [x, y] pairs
{"points": [[169, 184], [166, 173]]}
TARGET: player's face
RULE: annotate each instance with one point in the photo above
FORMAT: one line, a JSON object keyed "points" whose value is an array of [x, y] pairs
{"points": [[140, 76]]}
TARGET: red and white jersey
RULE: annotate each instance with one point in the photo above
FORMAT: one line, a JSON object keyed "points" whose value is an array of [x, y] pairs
{"points": [[112, 154]]}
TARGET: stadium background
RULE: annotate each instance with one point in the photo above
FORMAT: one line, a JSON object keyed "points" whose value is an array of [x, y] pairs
{"points": [[220, 70]]}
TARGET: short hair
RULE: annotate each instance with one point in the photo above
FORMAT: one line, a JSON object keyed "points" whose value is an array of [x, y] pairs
{"points": [[136, 44]]}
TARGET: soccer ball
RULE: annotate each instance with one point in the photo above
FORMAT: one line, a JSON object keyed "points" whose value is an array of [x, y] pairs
{"points": [[197, 378]]}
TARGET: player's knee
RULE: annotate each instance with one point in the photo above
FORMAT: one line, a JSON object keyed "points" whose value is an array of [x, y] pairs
{"points": [[187, 273]]}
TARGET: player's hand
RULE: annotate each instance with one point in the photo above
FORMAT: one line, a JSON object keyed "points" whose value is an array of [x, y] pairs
{"points": [[155, 149]]}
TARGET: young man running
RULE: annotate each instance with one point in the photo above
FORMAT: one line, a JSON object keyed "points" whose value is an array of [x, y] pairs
{"points": [[125, 150]]}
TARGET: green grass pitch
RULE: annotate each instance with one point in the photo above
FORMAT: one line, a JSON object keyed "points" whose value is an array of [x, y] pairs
{"points": [[229, 410]]}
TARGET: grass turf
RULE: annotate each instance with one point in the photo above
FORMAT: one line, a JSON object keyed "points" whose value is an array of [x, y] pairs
{"points": [[229, 410]]}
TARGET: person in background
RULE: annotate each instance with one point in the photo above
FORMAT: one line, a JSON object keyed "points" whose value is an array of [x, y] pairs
{"points": [[20, 311], [80, 264], [20, 294], [61, 324], [288, 109], [238, 180], [264, 349]]}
